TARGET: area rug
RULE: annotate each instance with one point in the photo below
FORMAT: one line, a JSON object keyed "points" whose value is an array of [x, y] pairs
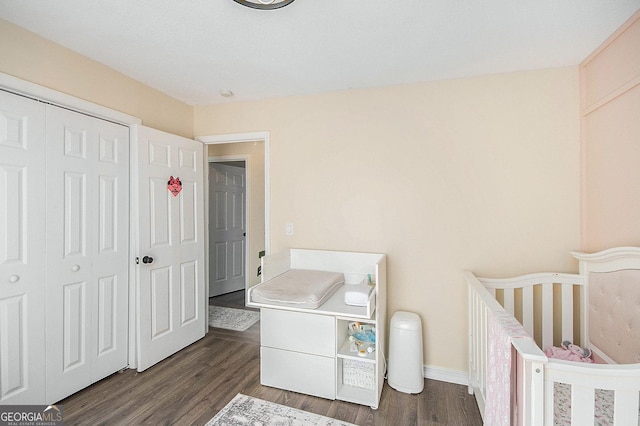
{"points": [[246, 410], [231, 318]]}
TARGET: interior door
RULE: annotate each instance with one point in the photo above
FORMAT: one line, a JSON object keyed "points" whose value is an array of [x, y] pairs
{"points": [[170, 274], [22, 250], [227, 188], [87, 250]]}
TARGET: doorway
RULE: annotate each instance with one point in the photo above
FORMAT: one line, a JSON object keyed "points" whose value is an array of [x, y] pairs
{"points": [[227, 226], [252, 149]]}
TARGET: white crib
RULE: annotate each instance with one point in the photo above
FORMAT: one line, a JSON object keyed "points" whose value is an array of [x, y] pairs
{"points": [[598, 308]]}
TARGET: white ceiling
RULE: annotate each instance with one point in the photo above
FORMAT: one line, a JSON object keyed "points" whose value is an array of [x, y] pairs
{"points": [[193, 49]]}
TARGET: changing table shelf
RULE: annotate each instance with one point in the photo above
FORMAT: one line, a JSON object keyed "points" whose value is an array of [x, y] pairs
{"points": [[333, 306], [345, 353], [307, 350]]}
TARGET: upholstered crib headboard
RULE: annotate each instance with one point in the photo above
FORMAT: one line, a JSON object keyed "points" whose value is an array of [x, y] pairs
{"points": [[614, 314], [613, 298]]}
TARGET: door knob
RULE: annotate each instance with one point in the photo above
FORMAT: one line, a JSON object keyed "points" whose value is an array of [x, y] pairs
{"points": [[147, 259]]}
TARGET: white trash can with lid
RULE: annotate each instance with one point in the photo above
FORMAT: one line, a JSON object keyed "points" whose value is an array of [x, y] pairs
{"points": [[405, 353]]}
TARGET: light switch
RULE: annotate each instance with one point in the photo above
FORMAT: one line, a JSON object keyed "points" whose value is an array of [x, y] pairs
{"points": [[288, 228]]}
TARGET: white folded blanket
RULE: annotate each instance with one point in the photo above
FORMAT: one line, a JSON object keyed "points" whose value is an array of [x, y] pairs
{"points": [[302, 288], [357, 294]]}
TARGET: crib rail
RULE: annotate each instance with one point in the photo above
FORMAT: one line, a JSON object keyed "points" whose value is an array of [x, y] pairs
{"points": [[586, 381], [546, 292], [529, 358], [530, 362], [481, 302], [536, 376]]}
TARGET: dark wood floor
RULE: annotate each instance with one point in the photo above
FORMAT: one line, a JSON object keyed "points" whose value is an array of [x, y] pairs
{"points": [[190, 387]]}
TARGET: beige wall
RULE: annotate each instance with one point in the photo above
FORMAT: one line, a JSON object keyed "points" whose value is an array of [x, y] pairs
{"points": [[254, 153], [32, 58], [479, 174], [611, 141]]}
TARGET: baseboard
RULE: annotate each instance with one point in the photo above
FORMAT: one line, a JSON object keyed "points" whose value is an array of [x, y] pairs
{"points": [[446, 375]]}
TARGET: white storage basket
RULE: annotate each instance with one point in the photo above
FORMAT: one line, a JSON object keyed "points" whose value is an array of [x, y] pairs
{"points": [[359, 374]]}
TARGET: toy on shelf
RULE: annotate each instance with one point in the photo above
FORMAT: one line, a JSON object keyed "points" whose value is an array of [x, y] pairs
{"points": [[362, 337]]}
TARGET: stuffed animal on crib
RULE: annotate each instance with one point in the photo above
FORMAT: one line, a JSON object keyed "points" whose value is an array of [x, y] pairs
{"points": [[570, 352]]}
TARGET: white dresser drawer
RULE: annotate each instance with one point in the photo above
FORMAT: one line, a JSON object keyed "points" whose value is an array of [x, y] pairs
{"points": [[298, 372], [297, 331]]}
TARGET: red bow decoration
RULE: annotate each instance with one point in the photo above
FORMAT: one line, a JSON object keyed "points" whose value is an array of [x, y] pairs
{"points": [[174, 185]]}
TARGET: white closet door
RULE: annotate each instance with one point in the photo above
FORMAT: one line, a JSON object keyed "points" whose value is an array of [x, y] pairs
{"points": [[87, 207], [111, 257], [22, 250], [171, 293]]}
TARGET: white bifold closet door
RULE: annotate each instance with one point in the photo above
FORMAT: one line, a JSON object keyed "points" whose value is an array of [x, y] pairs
{"points": [[64, 218], [22, 250], [87, 250]]}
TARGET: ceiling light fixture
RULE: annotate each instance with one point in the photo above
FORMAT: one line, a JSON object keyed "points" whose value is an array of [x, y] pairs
{"points": [[264, 4]]}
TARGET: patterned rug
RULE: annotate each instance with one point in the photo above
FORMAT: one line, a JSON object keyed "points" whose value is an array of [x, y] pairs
{"points": [[231, 318], [246, 410]]}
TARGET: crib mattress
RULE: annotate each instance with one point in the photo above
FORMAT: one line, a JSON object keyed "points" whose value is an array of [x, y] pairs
{"points": [[302, 288]]}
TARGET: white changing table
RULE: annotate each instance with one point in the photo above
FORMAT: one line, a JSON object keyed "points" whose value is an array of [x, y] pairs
{"points": [[307, 350]]}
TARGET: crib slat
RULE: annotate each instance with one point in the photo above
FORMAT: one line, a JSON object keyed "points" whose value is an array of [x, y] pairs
{"points": [[582, 406], [567, 313], [479, 345], [473, 337], [625, 408], [509, 300], [548, 402], [527, 309], [482, 362], [547, 315]]}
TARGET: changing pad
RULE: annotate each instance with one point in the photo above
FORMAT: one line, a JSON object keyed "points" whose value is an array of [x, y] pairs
{"points": [[301, 288]]}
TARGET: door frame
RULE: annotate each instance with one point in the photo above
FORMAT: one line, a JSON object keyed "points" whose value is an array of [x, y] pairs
{"points": [[263, 137], [40, 93]]}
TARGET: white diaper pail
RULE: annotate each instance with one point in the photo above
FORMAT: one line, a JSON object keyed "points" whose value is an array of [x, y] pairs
{"points": [[405, 353]]}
